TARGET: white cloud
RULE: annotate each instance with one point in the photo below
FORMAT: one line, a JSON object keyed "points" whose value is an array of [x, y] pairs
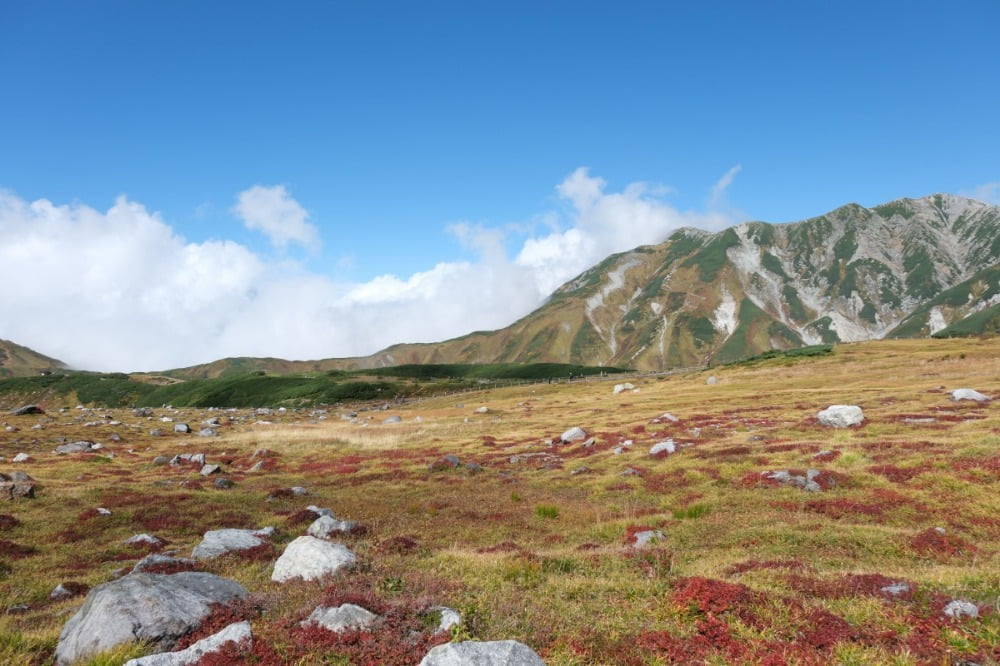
{"points": [[717, 198], [273, 211], [990, 193], [121, 290]]}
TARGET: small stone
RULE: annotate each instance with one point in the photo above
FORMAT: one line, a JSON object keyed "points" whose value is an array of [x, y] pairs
{"points": [[449, 618], [310, 558], [588, 443], [197, 459], [959, 608], [161, 460], [711, 381], [207, 432], [968, 394], [299, 490], [482, 410], [646, 537], [222, 483], [68, 590], [621, 388], [324, 526], [157, 432], [145, 539], [896, 589], [347, 617], [392, 419]]}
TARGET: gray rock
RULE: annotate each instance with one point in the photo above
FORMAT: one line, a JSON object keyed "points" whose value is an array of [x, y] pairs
{"points": [[157, 432], [142, 412], [144, 607], [319, 511], [209, 470], [161, 460], [144, 539], [197, 459], [219, 542], [646, 537], [574, 434], [21, 457], [299, 490], [968, 394], [347, 617], [476, 653], [82, 446], [482, 410], [664, 447], [896, 589], [621, 388], [310, 558], [712, 381], [223, 483], [589, 442], [392, 419], [183, 428], [157, 560], [960, 608], [448, 618], [238, 632], [841, 416], [324, 526], [207, 432], [26, 410], [64, 591]]}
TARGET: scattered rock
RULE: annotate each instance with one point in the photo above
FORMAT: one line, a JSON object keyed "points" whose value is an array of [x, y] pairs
{"points": [[968, 394], [161, 460], [324, 526], [473, 468], [145, 540], [806, 482], [347, 617], [621, 388], [662, 449], [209, 470], [222, 483], [310, 558], [197, 459], [158, 608], [841, 416], [21, 457], [68, 590], [711, 381], [142, 412], [207, 432], [393, 419], [157, 432], [580, 470], [157, 563], [443, 463], [82, 446], [238, 632], [26, 410], [476, 653], [448, 618], [959, 608], [183, 428], [104, 512], [896, 589], [646, 537], [15, 485], [482, 410], [299, 490], [666, 417], [589, 442], [574, 434], [219, 542]]}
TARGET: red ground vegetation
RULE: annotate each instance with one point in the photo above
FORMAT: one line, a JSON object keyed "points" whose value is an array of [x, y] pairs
{"points": [[398, 545], [8, 521], [14, 551], [767, 565], [939, 544], [898, 474]]}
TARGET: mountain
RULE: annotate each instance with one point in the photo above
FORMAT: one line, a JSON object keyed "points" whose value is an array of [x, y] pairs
{"points": [[18, 361], [908, 268]]}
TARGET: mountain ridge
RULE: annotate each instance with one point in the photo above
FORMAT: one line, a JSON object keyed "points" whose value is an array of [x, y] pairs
{"points": [[905, 268]]}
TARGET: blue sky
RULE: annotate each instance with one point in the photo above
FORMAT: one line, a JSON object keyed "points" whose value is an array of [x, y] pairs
{"points": [[377, 127]]}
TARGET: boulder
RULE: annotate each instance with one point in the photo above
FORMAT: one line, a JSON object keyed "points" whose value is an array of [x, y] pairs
{"points": [[207, 432], [324, 526], [145, 540], [841, 416], [392, 419], [68, 590], [663, 448], [16, 484], [182, 428], [238, 632], [786, 478], [209, 470], [219, 542], [21, 457], [155, 562], [449, 461], [310, 558], [222, 483], [621, 388], [26, 410], [959, 608], [646, 537], [476, 653], [161, 460], [142, 607], [712, 381], [141, 412], [347, 617], [82, 446], [482, 410], [574, 434], [968, 394]]}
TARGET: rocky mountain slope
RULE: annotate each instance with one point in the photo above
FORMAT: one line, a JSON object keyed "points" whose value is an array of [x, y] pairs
{"points": [[908, 268], [18, 361]]}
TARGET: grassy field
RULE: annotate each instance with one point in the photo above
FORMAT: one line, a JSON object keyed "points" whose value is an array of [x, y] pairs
{"points": [[537, 545]]}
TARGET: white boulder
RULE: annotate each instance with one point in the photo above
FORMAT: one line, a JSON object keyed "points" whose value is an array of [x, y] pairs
{"points": [[347, 617], [841, 416], [220, 542], [476, 653], [238, 632], [968, 394], [310, 558]]}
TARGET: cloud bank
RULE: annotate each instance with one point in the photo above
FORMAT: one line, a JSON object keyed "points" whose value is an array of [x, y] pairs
{"points": [[121, 290]]}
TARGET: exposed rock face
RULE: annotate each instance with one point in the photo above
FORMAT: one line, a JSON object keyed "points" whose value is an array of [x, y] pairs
{"points": [[841, 416], [347, 617], [220, 542], [150, 607], [475, 653], [310, 558], [238, 632]]}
